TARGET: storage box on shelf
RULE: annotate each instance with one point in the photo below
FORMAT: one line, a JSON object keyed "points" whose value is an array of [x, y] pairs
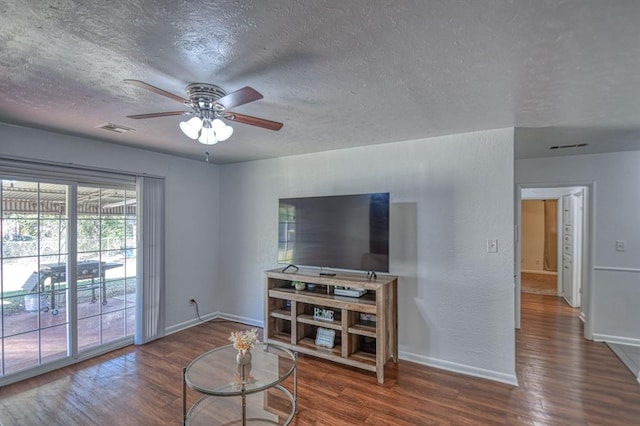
{"points": [[366, 328]]}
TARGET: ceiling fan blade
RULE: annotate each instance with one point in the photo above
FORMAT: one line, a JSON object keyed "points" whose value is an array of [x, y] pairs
{"points": [[157, 90], [239, 97], [253, 121], [159, 114]]}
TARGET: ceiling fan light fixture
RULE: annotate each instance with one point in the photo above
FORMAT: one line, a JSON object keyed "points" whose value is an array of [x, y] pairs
{"points": [[224, 133], [218, 124], [208, 104], [208, 136], [191, 127]]}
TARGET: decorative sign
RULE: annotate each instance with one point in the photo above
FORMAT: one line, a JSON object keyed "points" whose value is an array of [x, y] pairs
{"points": [[325, 337], [322, 314], [367, 317]]}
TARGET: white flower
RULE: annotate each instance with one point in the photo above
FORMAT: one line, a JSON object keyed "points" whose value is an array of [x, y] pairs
{"points": [[244, 340]]}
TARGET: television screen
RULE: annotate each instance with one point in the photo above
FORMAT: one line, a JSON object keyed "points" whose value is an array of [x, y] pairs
{"points": [[342, 232]]}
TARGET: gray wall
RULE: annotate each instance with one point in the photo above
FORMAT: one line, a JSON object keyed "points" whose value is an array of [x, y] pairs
{"points": [[449, 195]]}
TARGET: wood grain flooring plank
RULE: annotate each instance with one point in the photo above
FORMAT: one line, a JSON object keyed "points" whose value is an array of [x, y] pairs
{"points": [[564, 380]]}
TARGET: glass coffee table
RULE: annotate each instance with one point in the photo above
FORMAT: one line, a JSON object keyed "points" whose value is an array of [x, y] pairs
{"points": [[259, 395]]}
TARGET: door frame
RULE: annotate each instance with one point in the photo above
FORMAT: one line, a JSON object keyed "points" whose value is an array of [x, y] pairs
{"points": [[587, 249]]}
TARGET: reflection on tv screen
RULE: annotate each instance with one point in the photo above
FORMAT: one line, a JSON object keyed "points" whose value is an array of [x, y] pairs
{"points": [[342, 232]]}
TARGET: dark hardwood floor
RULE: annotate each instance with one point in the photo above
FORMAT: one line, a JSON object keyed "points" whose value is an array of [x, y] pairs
{"points": [[564, 380]]}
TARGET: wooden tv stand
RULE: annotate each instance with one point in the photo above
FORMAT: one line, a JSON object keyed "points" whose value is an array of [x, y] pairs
{"points": [[366, 328]]}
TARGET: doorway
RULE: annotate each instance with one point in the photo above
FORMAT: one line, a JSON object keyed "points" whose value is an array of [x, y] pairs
{"points": [[535, 258], [540, 242]]}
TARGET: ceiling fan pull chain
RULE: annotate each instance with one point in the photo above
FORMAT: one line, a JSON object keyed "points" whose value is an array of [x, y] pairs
{"points": [[206, 154]]}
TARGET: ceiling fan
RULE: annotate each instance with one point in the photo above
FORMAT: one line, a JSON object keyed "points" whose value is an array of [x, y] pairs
{"points": [[209, 104]]}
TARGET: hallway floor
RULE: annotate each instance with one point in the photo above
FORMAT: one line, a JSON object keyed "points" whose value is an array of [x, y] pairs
{"points": [[539, 283]]}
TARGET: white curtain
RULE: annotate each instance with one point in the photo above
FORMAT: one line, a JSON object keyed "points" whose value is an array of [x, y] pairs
{"points": [[150, 292]]}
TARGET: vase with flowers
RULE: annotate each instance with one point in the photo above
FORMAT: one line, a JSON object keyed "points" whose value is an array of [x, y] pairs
{"points": [[243, 342]]}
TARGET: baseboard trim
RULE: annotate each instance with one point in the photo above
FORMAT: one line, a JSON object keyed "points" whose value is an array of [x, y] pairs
{"points": [[630, 363], [510, 379], [535, 271], [191, 323], [242, 320], [212, 316], [615, 339]]}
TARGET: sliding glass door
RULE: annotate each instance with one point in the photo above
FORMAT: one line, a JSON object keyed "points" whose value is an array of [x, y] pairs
{"points": [[48, 313], [34, 225], [106, 265]]}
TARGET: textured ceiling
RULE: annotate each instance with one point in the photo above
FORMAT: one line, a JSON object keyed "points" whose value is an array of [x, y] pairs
{"points": [[336, 73]]}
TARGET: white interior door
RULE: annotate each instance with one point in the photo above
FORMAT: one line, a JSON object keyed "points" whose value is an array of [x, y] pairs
{"points": [[567, 248], [578, 221], [572, 247]]}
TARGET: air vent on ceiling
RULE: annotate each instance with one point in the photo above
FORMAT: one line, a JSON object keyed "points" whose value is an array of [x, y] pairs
{"points": [[575, 145], [116, 128]]}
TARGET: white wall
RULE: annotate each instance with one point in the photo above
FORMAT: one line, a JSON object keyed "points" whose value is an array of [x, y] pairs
{"points": [[192, 194], [615, 283], [449, 196]]}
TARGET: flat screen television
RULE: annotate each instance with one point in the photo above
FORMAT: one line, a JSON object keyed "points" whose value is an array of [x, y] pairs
{"points": [[342, 232]]}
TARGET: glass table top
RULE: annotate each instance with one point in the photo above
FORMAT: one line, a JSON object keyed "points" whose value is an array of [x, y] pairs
{"points": [[218, 373]]}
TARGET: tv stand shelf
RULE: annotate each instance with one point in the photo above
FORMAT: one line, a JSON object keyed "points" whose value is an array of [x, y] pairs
{"points": [[366, 328]]}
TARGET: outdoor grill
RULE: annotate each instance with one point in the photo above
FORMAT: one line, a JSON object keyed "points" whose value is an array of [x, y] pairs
{"points": [[50, 277]]}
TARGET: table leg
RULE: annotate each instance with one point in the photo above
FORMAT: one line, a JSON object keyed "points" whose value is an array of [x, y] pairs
{"points": [[295, 381], [103, 289], [53, 296], [244, 408], [94, 299], [184, 396]]}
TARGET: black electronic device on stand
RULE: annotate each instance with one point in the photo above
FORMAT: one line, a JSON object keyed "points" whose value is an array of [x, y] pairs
{"points": [[290, 266], [324, 273]]}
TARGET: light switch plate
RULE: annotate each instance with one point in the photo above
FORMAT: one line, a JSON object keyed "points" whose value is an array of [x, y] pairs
{"points": [[492, 246], [619, 245]]}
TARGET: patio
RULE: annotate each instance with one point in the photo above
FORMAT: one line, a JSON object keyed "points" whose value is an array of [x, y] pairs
{"points": [[30, 322]]}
